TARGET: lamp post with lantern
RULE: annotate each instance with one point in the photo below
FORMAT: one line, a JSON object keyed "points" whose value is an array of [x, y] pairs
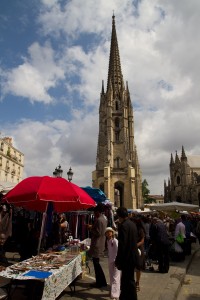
{"points": [[70, 174], [58, 173]]}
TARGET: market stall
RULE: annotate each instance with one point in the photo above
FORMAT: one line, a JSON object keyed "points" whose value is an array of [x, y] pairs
{"points": [[47, 195], [55, 270]]}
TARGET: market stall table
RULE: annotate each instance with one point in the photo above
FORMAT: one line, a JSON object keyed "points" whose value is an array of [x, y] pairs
{"points": [[56, 272]]}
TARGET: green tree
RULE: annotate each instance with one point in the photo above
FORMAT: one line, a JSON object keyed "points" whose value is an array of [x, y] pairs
{"points": [[145, 191]]}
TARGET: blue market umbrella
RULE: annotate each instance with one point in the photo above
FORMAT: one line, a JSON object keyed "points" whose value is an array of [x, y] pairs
{"points": [[96, 194]]}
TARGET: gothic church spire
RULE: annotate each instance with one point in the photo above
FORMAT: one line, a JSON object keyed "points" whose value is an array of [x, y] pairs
{"points": [[115, 76], [183, 156]]}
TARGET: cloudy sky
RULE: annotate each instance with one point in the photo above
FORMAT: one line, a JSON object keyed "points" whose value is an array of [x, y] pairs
{"points": [[54, 56]]}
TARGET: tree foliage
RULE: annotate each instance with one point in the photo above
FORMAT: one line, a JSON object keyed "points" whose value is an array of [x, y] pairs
{"points": [[145, 191]]}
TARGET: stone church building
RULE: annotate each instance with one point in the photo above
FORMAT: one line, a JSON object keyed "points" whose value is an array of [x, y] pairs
{"points": [[117, 171], [184, 182]]}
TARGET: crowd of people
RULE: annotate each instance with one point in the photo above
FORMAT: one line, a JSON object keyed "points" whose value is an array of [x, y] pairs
{"points": [[132, 242], [135, 240]]}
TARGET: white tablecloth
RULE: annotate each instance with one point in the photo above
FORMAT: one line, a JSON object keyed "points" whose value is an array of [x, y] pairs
{"points": [[55, 284]]}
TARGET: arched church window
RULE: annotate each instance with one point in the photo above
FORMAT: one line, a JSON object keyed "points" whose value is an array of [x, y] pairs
{"points": [[117, 162], [116, 136], [117, 123], [178, 180], [116, 105]]}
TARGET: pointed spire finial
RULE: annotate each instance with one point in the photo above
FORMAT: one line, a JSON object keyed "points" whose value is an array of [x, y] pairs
{"points": [[183, 156], [114, 70], [102, 89], [171, 160], [177, 160]]}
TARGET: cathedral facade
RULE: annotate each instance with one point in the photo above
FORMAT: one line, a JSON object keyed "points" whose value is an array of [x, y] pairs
{"points": [[184, 182], [117, 171]]}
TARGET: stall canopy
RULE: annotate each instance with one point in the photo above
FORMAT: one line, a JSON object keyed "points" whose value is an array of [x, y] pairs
{"points": [[34, 193], [96, 194], [173, 206]]}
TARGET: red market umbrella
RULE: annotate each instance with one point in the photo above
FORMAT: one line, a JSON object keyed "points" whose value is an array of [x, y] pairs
{"points": [[34, 193]]}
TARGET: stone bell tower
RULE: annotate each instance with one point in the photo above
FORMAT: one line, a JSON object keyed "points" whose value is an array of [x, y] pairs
{"points": [[117, 167]]}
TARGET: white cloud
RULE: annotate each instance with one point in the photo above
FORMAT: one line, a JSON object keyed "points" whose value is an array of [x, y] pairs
{"points": [[48, 144], [38, 73], [159, 48]]}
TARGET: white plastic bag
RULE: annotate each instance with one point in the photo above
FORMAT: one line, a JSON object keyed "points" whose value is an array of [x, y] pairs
{"points": [[177, 248]]}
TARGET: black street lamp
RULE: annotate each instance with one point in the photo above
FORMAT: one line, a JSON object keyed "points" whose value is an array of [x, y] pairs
{"points": [[58, 172], [70, 174]]}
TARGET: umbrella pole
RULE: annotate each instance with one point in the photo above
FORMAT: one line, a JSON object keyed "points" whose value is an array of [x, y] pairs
{"points": [[42, 229]]}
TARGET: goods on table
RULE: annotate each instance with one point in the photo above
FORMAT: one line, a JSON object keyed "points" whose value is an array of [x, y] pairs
{"points": [[44, 262]]}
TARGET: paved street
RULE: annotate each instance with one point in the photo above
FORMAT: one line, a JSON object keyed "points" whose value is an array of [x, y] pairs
{"points": [[190, 289], [154, 286]]}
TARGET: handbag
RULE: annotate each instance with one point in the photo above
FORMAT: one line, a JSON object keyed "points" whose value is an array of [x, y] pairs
{"points": [[180, 238]]}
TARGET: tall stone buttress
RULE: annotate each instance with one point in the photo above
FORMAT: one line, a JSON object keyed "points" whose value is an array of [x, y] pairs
{"points": [[117, 167]]}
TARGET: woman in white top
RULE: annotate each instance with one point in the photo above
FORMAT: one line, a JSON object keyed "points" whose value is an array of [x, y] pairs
{"points": [[115, 274]]}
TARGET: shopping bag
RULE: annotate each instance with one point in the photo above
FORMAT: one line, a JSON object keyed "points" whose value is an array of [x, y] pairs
{"points": [[180, 238], [177, 248]]}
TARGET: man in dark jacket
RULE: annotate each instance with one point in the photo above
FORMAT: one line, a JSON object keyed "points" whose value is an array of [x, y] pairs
{"points": [[127, 256], [162, 245]]}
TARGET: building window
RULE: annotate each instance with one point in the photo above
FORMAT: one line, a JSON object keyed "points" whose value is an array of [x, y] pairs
{"points": [[117, 136], [117, 123], [117, 162], [178, 180], [7, 165], [116, 105], [117, 129]]}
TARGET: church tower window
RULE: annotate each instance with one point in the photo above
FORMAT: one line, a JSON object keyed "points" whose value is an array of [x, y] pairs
{"points": [[116, 105], [117, 162]]}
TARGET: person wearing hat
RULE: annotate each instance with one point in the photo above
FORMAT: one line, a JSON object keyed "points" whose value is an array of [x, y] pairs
{"points": [[115, 274], [98, 245]]}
